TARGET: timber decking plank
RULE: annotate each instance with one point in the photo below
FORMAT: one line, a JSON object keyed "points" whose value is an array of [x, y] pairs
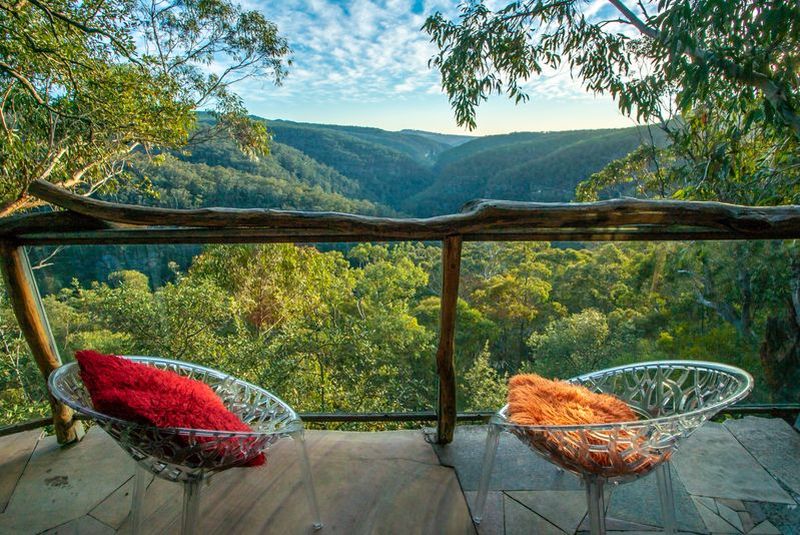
{"points": [[366, 483], [15, 450], [115, 508], [85, 525], [388, 482], [60, 484]]}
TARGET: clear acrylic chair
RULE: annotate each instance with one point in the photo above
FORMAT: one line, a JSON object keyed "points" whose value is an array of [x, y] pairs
{"points": [[672, 398], [190, 456]]}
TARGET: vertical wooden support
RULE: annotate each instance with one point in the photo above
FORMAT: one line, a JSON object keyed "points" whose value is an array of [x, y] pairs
{"points": [[26, 303], [445, 361]]}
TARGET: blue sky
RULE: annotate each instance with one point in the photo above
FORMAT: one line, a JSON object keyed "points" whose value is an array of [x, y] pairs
{"points": [[364, 62]]}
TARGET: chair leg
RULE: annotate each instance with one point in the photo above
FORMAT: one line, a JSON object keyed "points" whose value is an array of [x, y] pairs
{"points": [[308, 480], [137, 500], [492, 438], [596, 505], [191, 506], [664, 480]]}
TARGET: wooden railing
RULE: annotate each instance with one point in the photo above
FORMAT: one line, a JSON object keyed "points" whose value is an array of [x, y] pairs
{"points": [[91, 221]]}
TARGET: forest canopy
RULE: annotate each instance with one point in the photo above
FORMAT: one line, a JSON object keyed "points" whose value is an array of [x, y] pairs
{"points": [[355, 330]]}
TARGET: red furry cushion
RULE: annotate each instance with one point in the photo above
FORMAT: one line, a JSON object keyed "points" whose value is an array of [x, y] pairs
{"points": [[139, 393]]}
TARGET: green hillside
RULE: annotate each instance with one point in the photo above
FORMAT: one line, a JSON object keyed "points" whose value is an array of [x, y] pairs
{"points": [[422, 173], [452, 140], [526, 166], [283, 162], [388, 166], [414, 172], [481, 144], [421, 146], [369, 170], [300, 184]]}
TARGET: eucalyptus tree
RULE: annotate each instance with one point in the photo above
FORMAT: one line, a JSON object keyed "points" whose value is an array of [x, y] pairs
{"points": [[87, 84], [746, 50], [719, 76], [572, 345]]}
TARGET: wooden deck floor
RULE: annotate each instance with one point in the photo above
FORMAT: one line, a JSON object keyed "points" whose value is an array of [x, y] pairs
{"points": [[740, 477], [388, 482]]}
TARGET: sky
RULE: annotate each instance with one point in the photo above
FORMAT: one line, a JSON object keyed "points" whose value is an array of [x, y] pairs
{"points": [[365, 62]]}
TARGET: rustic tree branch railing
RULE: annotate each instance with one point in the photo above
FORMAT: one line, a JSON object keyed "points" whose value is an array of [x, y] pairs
{"points": [[26, 303], [91, 221]]}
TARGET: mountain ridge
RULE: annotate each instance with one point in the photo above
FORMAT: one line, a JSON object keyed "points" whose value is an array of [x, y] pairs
{"points": [[407, 172]]}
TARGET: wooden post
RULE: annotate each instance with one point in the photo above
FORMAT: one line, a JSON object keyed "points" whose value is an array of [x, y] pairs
{"points": [[445, 362], [26, 303]]}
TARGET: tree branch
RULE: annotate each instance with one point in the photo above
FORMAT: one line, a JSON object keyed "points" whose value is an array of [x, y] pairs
{"points": [[121, 47], [31, 90], [636, 21], [774, 94], [24, 81], [45, 262], [22, 202], [6, 129]]}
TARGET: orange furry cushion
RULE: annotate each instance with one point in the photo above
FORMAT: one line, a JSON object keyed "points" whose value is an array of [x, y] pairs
{"points": [[534, 400]]}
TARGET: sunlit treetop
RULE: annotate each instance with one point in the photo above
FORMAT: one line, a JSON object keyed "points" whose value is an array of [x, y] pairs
{"points": [[84, 84], [654, 58]]}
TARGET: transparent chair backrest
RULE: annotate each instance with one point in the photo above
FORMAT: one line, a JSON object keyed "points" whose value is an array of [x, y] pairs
{"points": [[263, 411], [671, 388]]}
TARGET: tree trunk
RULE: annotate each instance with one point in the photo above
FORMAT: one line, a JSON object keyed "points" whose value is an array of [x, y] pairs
{"points": [[780, 351], [24, 298], [743, 278], [445, 361], [15, 205]]}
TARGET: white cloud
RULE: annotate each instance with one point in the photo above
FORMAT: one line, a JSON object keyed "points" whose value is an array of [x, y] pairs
{"points": [[366, 55], [354, 49], [371, 50]]}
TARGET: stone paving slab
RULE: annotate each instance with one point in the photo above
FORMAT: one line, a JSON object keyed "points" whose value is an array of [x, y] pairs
{"points": [[747, 521], [638, 501], [565, 508], [721, 474], [774, 444], [713, 521], [493, 522], [722, 514], [730, 516], [617, 525], [785, 518], [521, 520], [516, 467], [765, 528], [713, 463]]}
